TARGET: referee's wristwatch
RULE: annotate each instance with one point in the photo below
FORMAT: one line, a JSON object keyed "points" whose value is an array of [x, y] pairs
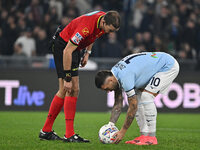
{"points": [[88, 51], [68, 76]]}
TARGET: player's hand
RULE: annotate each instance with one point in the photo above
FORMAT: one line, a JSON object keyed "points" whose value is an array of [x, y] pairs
{"points": [[118, 136], [68, 86], [84, 60]]}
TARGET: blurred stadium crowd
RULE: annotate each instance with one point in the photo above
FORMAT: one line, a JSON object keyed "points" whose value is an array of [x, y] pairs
{"points": [[173, 26]]}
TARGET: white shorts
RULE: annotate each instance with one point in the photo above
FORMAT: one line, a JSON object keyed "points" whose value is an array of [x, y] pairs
{"points": [[161, 81]]}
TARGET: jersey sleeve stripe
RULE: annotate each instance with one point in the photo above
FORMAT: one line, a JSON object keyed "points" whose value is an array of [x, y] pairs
{"points": [[130, 92], [98, 21], [73, 43]]}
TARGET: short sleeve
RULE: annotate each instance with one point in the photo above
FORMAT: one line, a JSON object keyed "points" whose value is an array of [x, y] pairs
{"points": [[80, 34], [128, 84]]}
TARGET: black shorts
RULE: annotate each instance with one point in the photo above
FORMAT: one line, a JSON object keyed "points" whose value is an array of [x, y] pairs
{"points": [[57, 50]]}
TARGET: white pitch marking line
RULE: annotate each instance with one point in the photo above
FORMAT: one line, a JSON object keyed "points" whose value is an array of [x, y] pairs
{"points": [[179, 129]]}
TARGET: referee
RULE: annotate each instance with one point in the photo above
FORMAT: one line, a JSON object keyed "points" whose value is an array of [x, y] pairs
{"points": [[79, 34]]}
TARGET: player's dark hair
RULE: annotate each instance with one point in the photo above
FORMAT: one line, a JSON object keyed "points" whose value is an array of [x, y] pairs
{"points": [[101, 77], [112, 18]]}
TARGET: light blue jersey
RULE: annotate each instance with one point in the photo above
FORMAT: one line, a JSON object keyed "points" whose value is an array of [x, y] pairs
{"points": [[136, 70]]}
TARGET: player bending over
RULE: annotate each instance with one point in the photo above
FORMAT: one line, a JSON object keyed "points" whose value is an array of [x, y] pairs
{"points": [[142, 76]]}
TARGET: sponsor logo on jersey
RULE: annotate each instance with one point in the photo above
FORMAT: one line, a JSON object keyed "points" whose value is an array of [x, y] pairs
{"points": [[154, 55], [77, 38], [85, 31]]}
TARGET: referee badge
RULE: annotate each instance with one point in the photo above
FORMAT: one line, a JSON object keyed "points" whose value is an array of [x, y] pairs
{"points": [[85, 31]]}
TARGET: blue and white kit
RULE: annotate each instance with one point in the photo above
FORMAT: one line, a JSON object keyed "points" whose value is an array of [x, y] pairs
{"points": [[153, 71]]}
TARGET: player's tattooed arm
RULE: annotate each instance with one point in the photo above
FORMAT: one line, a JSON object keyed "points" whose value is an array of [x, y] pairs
{"points": [[130, 112], [116, 110], [129, 118]]}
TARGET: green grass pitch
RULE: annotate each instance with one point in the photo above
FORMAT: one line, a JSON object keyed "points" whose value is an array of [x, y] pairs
{"points": [[19, 131]]}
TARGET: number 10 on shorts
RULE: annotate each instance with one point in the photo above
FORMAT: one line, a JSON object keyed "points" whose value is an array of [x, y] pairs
{"points": [[155, 81]]}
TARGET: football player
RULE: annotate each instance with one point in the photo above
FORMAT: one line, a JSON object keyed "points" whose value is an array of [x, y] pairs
{"points": [[142, 76]]}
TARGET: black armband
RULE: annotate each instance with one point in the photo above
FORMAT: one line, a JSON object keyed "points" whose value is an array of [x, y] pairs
{"points": [[68, 76]]}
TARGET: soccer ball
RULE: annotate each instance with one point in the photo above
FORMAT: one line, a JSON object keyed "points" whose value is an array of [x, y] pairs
{"points": [[106, 133]]}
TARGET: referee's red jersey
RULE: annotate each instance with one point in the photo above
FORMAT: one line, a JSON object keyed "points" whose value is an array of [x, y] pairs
{"points": [[83, 30]]}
